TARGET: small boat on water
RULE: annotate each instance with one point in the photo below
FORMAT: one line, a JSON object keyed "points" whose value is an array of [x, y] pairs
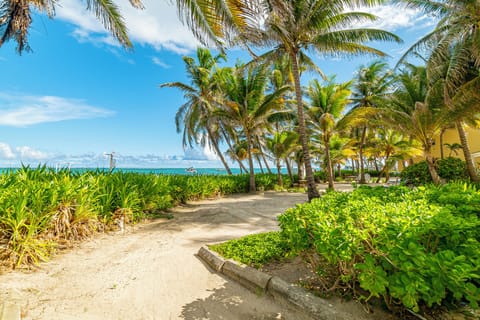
{"points": [[191, 170]]}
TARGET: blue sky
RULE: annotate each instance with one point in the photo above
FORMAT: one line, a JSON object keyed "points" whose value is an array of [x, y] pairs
{"points": [[79, 95]]}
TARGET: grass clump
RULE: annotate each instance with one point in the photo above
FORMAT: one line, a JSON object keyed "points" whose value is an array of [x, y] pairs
{"points": [[254, 250]]}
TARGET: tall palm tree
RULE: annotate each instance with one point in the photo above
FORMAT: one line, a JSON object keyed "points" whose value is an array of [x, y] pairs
{"points": [[327, 103], [293, 27], [16, 18], [196, 114], [372, 84], [247, 106]]}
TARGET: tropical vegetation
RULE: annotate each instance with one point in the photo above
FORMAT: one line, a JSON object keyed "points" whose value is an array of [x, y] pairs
{"points": [[412, 249], [42, 209]]}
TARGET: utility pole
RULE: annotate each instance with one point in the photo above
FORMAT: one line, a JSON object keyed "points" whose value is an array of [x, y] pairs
{"points": [[112, 161]]}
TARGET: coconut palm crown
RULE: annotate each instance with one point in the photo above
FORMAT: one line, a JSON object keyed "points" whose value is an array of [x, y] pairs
{"points": [[16, 18]]}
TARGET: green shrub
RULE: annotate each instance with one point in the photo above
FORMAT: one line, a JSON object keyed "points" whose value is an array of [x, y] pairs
{"points": [[411, 247], [253, 250], [450, 169]]}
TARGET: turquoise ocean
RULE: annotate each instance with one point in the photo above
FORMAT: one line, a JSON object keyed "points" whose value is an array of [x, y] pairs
{"points": [[172, 171]]}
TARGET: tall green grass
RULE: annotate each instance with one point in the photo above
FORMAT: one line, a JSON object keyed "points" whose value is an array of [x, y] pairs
{"points": [[41, 208]]}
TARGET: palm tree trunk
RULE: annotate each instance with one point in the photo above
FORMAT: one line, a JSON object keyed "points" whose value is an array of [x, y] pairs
{"points": [[289, 169], [311, 187], [384, 170], [441, 144], [375, 163], [329, 165], [279, 173], [301, 171], [252, 187], [360, 155], [240, 163], [266, 163], [431, 166], [259, 163], [214, 143], [466, 152]]}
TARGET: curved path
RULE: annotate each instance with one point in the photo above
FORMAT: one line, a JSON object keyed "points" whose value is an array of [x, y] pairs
{"points": [[152, 272]]}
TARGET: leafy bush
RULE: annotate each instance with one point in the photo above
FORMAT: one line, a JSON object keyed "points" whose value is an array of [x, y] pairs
{"points": [[411, 247], [450, 169], [253, 250]]}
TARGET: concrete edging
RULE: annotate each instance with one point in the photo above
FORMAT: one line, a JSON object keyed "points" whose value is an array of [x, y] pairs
{"points": [[283, 292]]}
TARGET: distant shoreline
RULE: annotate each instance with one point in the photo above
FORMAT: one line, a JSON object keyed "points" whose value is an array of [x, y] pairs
{"points": [[172, 171]]}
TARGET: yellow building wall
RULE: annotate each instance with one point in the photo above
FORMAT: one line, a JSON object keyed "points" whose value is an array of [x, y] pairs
{"points": [[451, 136]]}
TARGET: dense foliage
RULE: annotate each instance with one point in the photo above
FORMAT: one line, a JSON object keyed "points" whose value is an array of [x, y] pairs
{"points": [[449, 169], [255, 249], [40, 208], [411, 247]]}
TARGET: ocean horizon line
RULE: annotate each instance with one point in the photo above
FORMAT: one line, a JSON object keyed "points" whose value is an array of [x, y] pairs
{"points": [[164, 170]]}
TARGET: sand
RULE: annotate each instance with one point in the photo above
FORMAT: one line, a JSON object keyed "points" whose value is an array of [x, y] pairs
{"points": [[152, 272]]}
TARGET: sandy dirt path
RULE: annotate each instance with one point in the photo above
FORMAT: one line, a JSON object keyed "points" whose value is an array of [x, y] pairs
{"points": [[152, 272]]}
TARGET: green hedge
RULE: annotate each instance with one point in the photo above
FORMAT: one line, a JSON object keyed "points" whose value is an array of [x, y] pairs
{"points": [[450, 169], [411, 247]]}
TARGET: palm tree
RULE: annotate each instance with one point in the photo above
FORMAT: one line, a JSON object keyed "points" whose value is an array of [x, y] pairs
{"points": [[16, 18], [248, 107], [295, 26], [327, 103], [372, 84], [454, 52], [281, 144], [340, 150], [238, 152], [196, 114], [455, 71], [393, 146], [415, 109], [453, 147], [457, 25]]}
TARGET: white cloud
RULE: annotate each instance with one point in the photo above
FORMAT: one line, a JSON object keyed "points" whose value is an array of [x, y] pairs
{"points": [[393, 17], [159, 62], [24, 110], [29, 153], [157, 25], [6, 151], [22, 153]]}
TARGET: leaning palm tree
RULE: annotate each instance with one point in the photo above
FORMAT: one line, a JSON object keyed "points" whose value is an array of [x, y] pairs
{"points": [[458, 24], [247, 106], [455, 71], [327, 103], [196, 114], [16, 18], [416, 110]]}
